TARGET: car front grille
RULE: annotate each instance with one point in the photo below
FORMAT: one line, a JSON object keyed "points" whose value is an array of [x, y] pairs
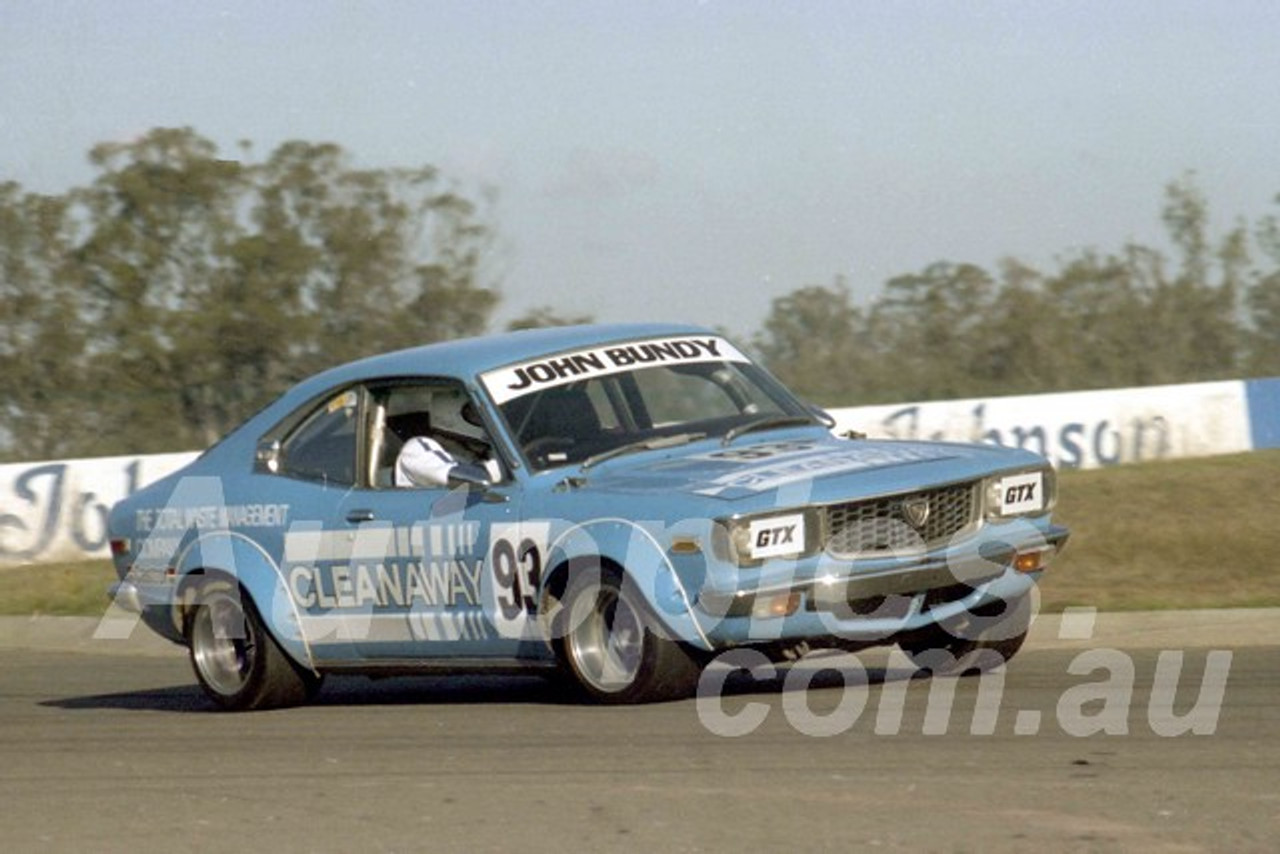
{"points": [[885, 525]]}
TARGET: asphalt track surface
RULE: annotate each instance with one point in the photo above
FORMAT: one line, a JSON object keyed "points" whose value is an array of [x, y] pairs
{"points": [[116, 752]]}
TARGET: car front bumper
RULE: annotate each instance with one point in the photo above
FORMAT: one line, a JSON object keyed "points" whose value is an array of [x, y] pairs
{"points": [[875, 604]]}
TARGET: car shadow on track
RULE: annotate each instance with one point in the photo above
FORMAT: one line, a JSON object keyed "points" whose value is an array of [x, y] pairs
{"points": [[356, 691], [781, 680], [346, 691], [178, 698]]}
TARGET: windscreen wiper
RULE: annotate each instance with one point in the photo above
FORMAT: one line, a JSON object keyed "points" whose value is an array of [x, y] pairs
{"points": [[642, 445], [768, 422]]}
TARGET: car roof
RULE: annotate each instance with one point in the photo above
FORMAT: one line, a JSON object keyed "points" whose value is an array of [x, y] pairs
{"points": [[464, 358]]}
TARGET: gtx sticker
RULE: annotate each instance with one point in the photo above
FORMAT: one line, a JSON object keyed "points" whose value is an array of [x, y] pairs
{"points": [[1022, 493], [777, 536]]}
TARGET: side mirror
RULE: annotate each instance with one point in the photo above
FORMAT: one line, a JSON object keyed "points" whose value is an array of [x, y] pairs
{"points": [[469, 475]]}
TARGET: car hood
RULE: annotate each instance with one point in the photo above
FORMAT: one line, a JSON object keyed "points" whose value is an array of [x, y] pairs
{"points": [[831, 469]]}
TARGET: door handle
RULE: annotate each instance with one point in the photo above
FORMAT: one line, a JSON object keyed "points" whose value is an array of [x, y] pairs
{"points": [[355, 517]]}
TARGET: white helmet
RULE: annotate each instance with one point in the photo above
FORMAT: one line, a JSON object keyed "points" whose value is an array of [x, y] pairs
{"points": [[453, 412]]}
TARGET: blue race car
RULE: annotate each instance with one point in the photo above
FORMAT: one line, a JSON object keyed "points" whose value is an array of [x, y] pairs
{"points": [[619, 504]]}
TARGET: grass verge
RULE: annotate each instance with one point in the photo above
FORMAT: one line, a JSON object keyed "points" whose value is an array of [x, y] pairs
{"points": [[1179, 534], [58, 589], [1154, 536]]}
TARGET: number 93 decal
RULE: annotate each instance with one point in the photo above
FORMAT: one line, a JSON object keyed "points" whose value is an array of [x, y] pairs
{"points": [[510, 587]]}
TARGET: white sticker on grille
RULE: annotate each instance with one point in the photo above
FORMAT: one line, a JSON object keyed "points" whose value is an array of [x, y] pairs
{"points": [[777, 536], [1021, 493]]}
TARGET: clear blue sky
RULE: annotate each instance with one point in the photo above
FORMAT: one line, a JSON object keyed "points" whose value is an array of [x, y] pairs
{"points": [[685, 160]]}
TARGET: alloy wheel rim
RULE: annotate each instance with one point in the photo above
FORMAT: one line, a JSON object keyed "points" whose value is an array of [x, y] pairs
{"points": [[607, 641], [223, 645]]}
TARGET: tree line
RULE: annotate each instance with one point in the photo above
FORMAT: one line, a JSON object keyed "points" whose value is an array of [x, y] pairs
{"points": [[160, 305], [1129, 317]]}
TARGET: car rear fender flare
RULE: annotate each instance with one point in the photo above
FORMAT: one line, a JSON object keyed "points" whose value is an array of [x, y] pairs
{"points": [[235, 556], [638, 553]]}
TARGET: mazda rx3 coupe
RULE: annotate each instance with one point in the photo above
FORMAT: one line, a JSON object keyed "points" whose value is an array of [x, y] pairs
{"points": [[621, 504]]}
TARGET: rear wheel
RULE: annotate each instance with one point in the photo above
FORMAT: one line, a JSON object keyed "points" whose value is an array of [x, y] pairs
{"points": [[608, 642], [237, 662]]}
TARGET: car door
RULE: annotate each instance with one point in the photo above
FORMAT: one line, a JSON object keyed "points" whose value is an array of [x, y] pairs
{"points": [[435, 568]]}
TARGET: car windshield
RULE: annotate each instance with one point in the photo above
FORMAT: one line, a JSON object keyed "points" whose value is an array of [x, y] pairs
{"points": [[587, 405]]}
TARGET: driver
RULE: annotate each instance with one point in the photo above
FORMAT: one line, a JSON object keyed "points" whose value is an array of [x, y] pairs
{"points": [[450, 433]]}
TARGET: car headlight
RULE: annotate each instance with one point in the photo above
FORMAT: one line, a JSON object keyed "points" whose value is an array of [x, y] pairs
{"points": [[749, 541], [1024, 493]]}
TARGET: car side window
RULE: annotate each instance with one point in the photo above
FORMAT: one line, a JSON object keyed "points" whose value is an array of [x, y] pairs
{"points": [[438, 410], [323, 447]]}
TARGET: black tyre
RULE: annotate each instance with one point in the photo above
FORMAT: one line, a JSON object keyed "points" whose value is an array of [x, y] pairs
{"points": [[964, 649], [237, 662], [607, 643]]}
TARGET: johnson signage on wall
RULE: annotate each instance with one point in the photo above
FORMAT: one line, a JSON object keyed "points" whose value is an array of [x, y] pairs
{"points": [[56, 511], [1093, 428]]}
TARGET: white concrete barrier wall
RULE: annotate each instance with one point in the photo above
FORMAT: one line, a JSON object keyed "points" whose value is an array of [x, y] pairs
{"points": [[57, 511], [1079, 429]]}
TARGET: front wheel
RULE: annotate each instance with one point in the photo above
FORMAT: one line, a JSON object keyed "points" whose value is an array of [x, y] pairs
{"points": [[237, 662], [613, 649]]}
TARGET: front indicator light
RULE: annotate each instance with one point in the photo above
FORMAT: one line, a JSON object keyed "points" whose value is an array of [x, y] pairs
{"points": [[775, 606], [685, 546], [1030, 561]]}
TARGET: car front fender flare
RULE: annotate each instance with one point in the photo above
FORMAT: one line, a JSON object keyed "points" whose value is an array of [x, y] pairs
{"points": [[639, 554]]}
